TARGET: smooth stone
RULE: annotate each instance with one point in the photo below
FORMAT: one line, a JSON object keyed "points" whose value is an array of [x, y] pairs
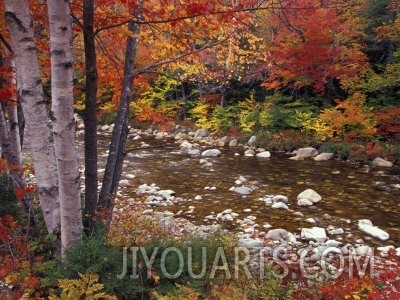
{"points": [[233, 143], [252, 141], [317, 234], [124, 183], [280, 198], [264, 154], [201, 133], [279, 205], [304, 202], [279, 234], [310, 195], [367, 227], [242, 190], [211, 152], [250, 243], [380, 162], [324, 156]]}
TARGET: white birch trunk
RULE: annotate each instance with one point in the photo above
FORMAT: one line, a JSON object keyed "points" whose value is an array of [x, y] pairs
{"points": [[30, 90], [62, 115]]}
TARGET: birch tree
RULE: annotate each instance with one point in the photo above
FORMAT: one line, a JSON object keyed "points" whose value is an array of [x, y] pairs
{"points": [[30, 91], [62, 116]]}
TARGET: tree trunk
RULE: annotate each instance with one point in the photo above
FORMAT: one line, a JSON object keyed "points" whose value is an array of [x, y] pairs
{"points": [[90, 112], [16, 172], [30, 90], [62, 115], [117, 149]]}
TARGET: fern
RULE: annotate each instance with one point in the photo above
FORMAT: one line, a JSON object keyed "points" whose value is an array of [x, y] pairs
{"points": [[86, 287]]}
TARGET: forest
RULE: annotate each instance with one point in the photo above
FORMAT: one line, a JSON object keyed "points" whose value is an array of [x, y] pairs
{"points": [[291, 73]]}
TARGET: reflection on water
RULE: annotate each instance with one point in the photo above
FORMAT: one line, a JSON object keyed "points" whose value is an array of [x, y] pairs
{"points": [[348, 192]]}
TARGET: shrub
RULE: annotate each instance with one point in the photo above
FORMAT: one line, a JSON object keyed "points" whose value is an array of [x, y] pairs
{"points": [[342, 150], [350, 119], [222, 118]]}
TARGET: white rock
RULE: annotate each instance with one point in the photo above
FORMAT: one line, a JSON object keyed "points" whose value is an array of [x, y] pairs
{"points": [[243, 190], [227, 211], [280, 198], [304, 202], [279, 205], [264, 154], [313, 234], [310, 220], [233, 143], [252, 141], [324, 156], [227, 218], [250, 243], [310, 195], [367, 227], [198, 198], [210, 152], [380, 162], [279, 234], [249, 152], [124, 183], [332, 243], [247, 210]]}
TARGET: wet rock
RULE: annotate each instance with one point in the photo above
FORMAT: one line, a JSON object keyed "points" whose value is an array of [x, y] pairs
{"points": [[280, 205], [367, 227], [304, 153], [252, 141], [304, 202], [380, 162], [310, 195], [211, 153], [250, 243], [124, 183], [200, 133], [280, 198], [242, 190], [364, 250], [233, 143], [264, 154], [317, 234], [298, 214], [324, 156], [279, 234], [249, 152]]}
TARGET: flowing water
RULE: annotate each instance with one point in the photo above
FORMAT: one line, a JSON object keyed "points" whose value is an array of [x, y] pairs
{"points": [[349, 192]]}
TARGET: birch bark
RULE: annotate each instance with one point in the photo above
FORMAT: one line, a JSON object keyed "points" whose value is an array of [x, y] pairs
{"points": [[30, 91], [62, 115]]}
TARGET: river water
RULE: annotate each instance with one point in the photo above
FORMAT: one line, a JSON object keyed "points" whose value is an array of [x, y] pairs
{"points": [[349, 192]]}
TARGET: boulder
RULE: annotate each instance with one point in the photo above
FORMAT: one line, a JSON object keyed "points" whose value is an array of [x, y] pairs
{"points": [[233, 143], [367, 227], [324, 156], [380, 162], [310, 195], [124, 183], [306, 152], [279, 234], [279, 205], [317, 234], [252, 141], [304, 202], [264, 154], [280, 198], [250, 243], [249, 152], [210, 152], [200, 133], [243, 190]]}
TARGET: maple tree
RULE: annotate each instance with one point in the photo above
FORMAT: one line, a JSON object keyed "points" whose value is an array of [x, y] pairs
{"points": [[305, 55]]}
